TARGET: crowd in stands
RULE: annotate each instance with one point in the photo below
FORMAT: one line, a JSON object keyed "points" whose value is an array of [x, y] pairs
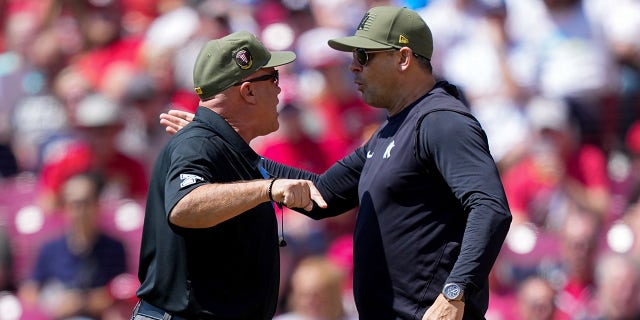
{"points": [[555, 84]]}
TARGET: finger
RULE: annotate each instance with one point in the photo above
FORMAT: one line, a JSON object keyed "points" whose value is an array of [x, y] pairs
{"points": [[305, 197], [170, 131], [170, 127], [183, 115], [300, 196], [177, 121], [289, 200], [167, 119], [316, 196], [309, 206]]}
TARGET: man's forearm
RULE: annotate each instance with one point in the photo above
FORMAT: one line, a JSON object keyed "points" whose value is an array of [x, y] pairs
{"points": [[211, 204]]}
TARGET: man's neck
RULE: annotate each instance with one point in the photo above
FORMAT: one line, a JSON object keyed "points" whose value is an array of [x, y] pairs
{"points": [[412, 94]]}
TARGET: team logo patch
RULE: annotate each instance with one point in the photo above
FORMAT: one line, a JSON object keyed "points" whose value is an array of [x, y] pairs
{"points": [[387, 152], [189, 179], [403, 39], [198, 90], [244, 59]]}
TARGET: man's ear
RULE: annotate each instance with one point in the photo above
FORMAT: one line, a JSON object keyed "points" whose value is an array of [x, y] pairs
{"points": [[405, 57], [247, 92]]}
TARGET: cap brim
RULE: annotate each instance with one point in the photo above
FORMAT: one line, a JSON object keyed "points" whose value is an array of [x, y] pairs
{"points": [[348, 44], [279, 58]]}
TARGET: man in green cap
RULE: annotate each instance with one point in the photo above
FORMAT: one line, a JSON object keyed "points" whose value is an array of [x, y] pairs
{"points": [[432, 213], [210, 238]]}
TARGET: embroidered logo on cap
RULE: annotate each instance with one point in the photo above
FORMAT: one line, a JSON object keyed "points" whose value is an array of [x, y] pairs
{"points": [[198, 90], [366, 21], [244, 59], [403, 39]]}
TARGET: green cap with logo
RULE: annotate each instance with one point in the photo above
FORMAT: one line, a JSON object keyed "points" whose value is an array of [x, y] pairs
{"points": [[387, 27], [224, 62]]}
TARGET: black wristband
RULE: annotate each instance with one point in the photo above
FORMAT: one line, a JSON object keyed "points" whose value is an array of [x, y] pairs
{"points": [[270, 187]]}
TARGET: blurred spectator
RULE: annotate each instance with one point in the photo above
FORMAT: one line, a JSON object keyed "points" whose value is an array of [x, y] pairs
{"points": [[558, 170], [93, 147], [502, 290], [33, 58], [34, 119], [626, 230], [573, 275], [173, 29], [339, 14], [618, 281], [567, 58], [20, 28], [104, 43], [137, 15], [340, 252], [621, 27], [45, 57], [481, 42], [316, 292], [214, 19], [536, 300], [72, 272], [455, 21], [625, 171]]}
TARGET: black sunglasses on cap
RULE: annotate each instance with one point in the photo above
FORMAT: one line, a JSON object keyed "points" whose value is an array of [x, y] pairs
{"points": [[275, 77]]}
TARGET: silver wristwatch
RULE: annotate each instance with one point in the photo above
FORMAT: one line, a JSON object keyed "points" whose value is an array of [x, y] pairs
{"points": [[453, 292]]}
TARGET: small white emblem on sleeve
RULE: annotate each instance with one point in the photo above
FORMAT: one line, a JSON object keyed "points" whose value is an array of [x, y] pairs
{"points": [[189, 179]]}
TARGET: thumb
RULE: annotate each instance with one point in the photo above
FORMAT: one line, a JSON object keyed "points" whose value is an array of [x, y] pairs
{"points": [[316, 197]]}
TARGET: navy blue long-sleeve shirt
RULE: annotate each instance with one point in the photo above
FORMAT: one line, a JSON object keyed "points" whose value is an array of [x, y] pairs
{"points": [[432, 208]]}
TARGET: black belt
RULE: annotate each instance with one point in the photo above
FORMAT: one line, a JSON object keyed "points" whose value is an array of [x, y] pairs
{"points": [[148, 310]]}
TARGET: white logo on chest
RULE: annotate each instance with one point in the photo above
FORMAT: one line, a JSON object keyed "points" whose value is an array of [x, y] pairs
{"points": [[387, 152]]}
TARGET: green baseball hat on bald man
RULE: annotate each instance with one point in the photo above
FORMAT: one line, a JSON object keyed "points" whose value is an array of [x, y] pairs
{"points": [[224, 62], [388, 27]]}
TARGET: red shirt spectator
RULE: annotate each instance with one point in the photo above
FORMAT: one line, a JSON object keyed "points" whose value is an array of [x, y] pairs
{"points": [[559, 170]]}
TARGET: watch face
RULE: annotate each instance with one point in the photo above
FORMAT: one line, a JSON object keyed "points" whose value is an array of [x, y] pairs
{"points": [[452, 291]]}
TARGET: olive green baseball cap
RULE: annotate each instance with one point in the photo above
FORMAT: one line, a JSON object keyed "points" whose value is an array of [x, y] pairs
{"points": [[387, 27], [224, 62]]}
